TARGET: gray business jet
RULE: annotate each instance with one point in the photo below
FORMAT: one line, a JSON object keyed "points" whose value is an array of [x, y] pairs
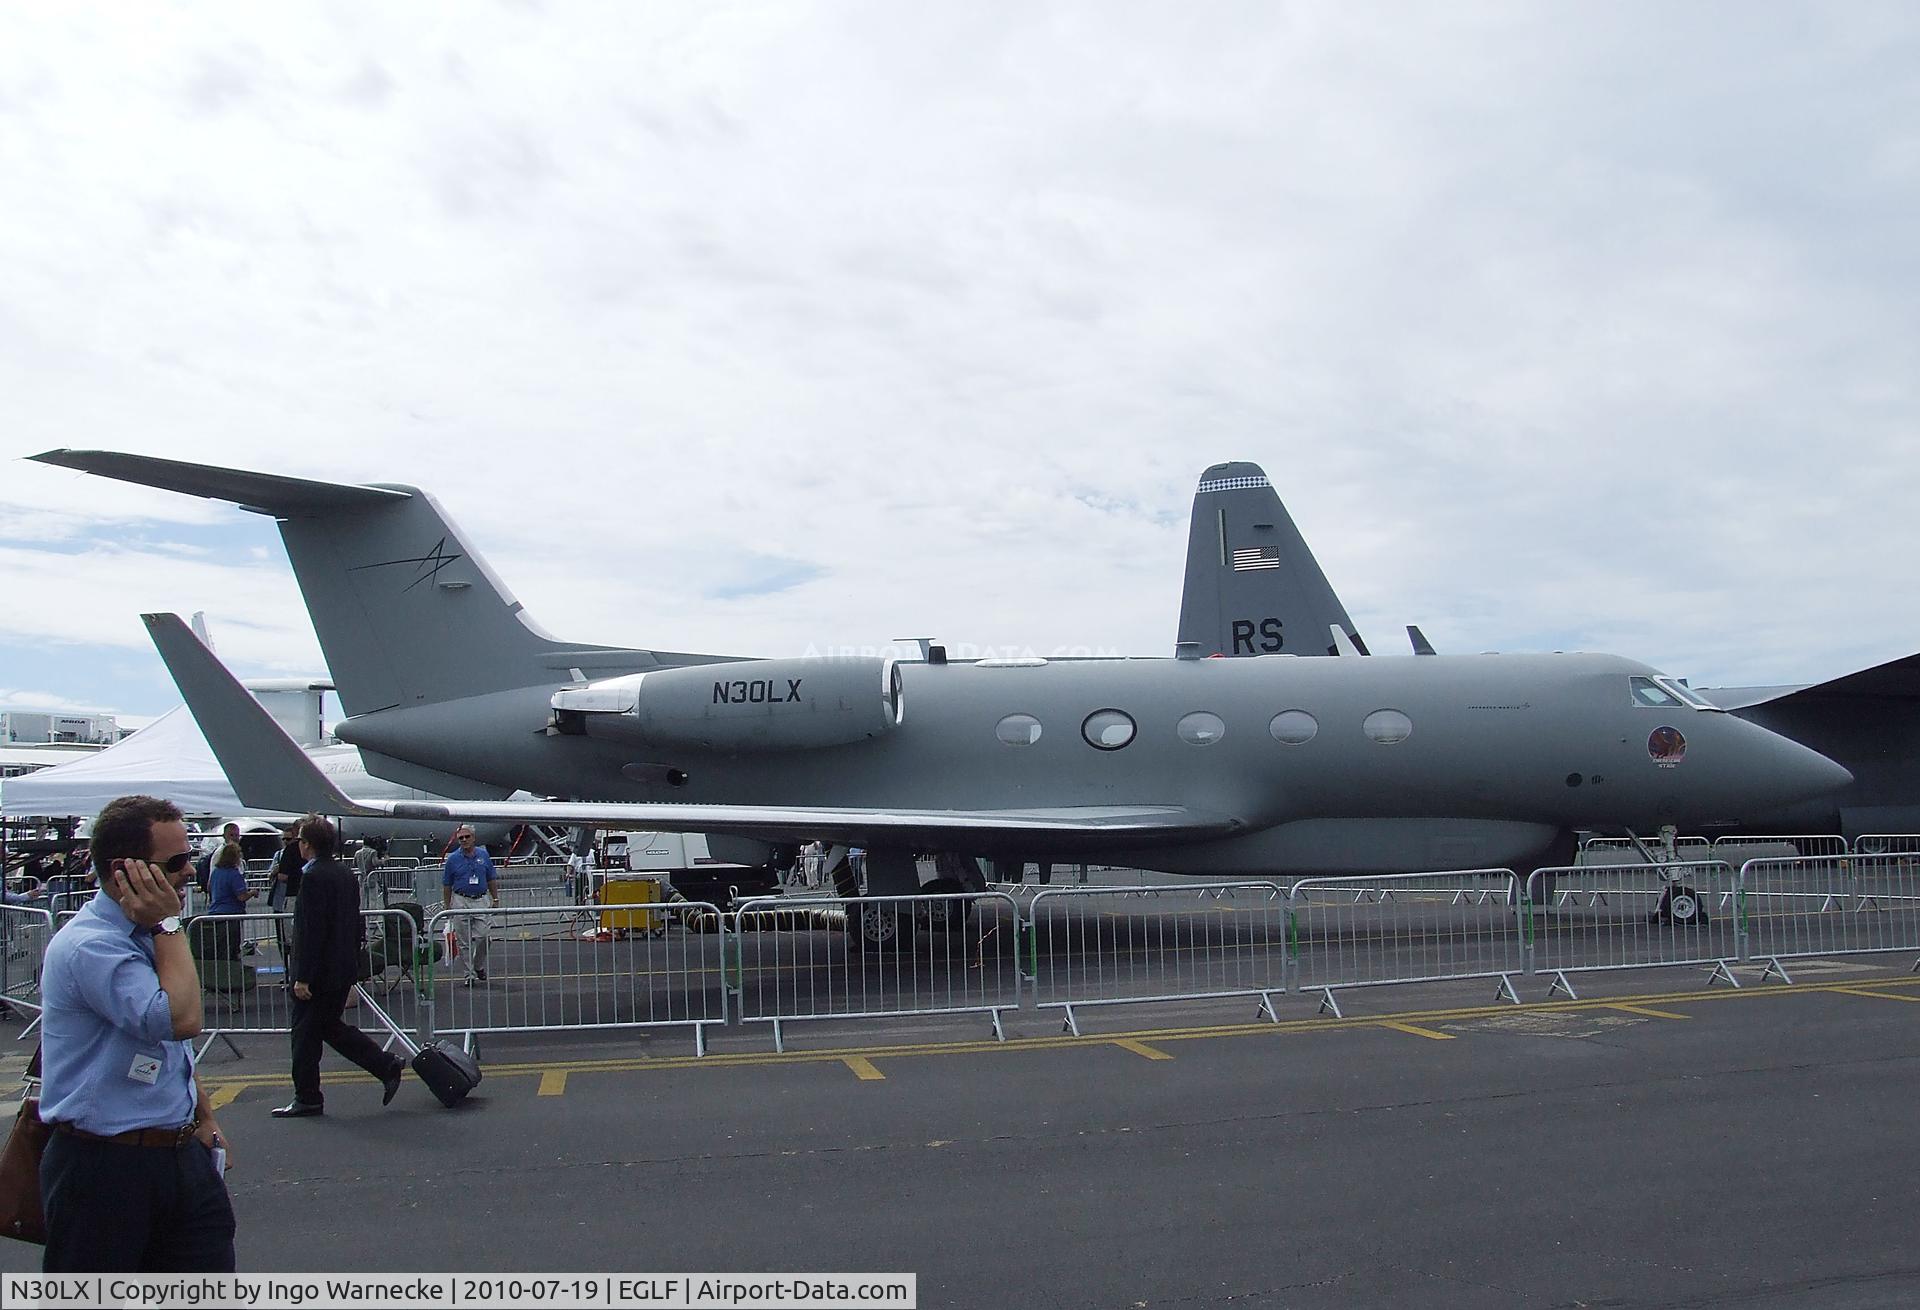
{"points": [[1211, 767], [1253, 584]]}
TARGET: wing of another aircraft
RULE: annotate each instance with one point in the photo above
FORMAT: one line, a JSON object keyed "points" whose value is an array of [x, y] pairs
{"points": [[268, 770], [1897, 679]]}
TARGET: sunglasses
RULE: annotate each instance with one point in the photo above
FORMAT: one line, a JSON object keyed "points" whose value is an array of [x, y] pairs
{"points": [[172, 864]]}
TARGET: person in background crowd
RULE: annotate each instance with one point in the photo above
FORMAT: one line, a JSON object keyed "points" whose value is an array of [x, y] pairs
{"points": [[282, 892], [230, 893], [470, 883], [203, 869], [366, 865]]}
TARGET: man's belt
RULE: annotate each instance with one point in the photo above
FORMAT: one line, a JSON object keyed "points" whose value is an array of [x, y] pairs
{"points": [[169, 1138]]}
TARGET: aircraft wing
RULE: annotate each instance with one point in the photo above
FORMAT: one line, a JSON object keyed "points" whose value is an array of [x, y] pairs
{"points": [[269, 770], [1897, 679]]}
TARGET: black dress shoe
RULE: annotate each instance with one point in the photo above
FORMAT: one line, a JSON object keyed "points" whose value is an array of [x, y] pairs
{"points": [[297, 1110], [392, 1083]]}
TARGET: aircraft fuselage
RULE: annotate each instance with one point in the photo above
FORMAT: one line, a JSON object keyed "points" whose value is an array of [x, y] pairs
{"points": [[1445, 761]]}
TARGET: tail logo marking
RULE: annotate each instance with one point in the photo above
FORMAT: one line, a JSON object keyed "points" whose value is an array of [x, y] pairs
{"points": [[430, 564], [1268, 630]]}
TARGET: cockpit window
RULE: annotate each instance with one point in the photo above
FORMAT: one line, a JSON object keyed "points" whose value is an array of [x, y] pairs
{"points": [[1687, 694], [1648, 692], [1667, 693]]}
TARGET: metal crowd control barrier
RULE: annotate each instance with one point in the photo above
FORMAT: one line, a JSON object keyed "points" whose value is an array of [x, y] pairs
{"points": [[1089, 946], [25, 931], [1736, 851], [1644, 916], [250, 994], [63, 905], [1888, 843], [1843, 905], [1609, 851], [1421, 927], [831, 957], [564, 968]]}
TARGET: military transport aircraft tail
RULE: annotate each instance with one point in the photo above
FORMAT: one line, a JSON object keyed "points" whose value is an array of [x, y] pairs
{"points": [[406, 610], [1253, 587]]}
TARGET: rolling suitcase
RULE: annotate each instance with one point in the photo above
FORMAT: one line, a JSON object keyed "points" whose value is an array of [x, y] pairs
{"points": [[449, 1072]]}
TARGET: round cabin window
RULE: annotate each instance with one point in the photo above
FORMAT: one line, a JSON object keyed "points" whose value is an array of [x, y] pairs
{"points": [[1108, 730], [1201, 728], [1388, 726], [1293, 727], [1018, 730]]}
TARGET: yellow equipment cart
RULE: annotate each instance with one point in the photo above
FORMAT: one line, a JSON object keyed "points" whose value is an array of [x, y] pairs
{"points": [[629, 892]]}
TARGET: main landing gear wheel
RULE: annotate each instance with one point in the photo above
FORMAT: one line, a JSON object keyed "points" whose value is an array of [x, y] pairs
{"points": [[878, 930], [1683, 907], [942, 918]]}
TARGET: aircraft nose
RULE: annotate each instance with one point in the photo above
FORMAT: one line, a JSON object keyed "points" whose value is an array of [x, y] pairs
{"points": [[1792, 772]]}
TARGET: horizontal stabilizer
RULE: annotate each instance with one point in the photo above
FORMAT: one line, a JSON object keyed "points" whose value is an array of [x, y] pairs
{"points": [[406, 610], [268, 771], [263, 493]]}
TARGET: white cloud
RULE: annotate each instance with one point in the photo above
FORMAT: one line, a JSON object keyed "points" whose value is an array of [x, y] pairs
{"points": [[31, 701], [1583, 327]]}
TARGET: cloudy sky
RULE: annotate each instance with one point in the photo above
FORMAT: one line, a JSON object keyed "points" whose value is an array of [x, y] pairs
{"points": [[775, 327]]}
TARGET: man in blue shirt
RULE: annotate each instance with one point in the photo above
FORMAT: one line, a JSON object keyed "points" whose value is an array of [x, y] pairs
{"points": [[131, 1179], [469, 883]]}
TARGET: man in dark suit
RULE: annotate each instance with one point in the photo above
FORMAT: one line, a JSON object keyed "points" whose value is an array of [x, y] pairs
{"points": [[326, 953]]}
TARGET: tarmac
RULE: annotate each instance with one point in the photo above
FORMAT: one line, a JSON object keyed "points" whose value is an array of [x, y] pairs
{"points": [[1659, 1142]]}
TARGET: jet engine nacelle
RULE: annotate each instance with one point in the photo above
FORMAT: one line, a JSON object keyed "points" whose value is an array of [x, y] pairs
{"points": [[746, 705]]}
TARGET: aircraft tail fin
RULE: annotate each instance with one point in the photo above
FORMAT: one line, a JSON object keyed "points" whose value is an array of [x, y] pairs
{"points": [[1252, 586], [267, 769], [406, 610]]}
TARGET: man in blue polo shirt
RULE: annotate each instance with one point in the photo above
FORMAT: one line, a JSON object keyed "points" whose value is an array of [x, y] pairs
{"points": [[131, 1179], [469, 883]]}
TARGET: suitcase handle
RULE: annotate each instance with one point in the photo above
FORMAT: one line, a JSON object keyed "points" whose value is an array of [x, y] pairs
{"points": [[405, 1038]]}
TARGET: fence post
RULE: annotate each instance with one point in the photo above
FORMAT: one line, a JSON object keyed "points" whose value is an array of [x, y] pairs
{"points": [[1292, 965], [429, 1021], [1741, 945], [733, 971], [1525, 905]]}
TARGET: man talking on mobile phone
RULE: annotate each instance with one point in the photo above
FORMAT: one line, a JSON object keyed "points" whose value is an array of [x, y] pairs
{"points": [[130, 1180]]}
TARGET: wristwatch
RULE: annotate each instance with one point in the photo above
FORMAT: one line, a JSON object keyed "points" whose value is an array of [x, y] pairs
{"points": [[167, 926]]}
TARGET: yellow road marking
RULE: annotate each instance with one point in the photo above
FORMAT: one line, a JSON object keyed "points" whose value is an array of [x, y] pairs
{"points": [[224, 1095], [863, 1069], [1878, 996], [1415, 1029], [1310, 1024], [1141, 1048], [1647, 1010], [553, 1082]]}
